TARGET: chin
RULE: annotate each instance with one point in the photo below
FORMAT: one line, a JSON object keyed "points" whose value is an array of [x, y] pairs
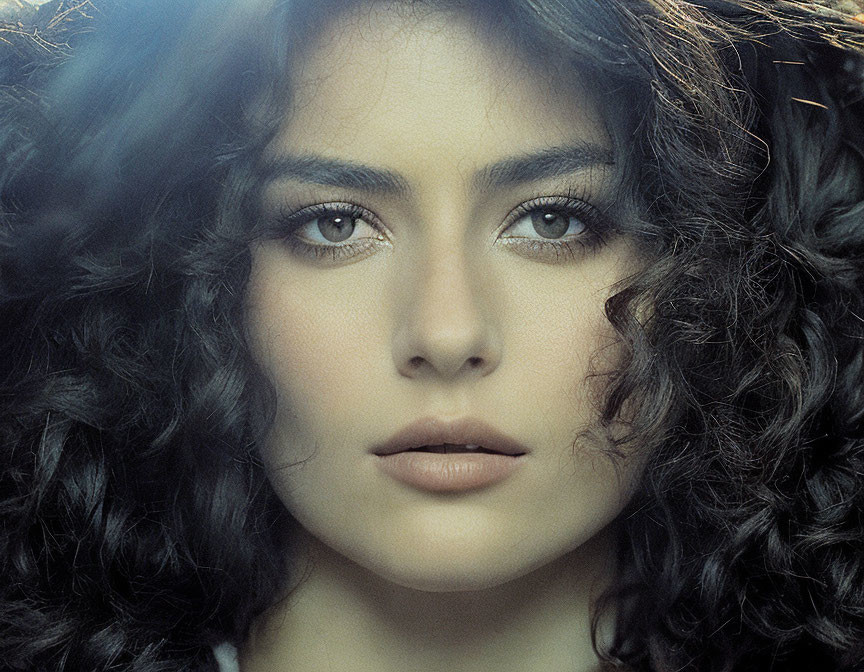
{"points": [[440, 580], [447, 571]]}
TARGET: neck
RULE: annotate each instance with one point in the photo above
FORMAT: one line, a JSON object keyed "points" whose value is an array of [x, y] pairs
{"points": [[343, 617]]}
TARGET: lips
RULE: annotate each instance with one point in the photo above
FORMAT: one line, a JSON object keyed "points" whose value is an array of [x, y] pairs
{"points": [[449, 449], [435, 435]]}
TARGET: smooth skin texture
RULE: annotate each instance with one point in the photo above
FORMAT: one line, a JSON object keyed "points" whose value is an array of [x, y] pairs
{"points": [[438, 311]]}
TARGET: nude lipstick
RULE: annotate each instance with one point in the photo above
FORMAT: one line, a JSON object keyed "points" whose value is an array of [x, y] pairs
{"points": [[440, 456]]}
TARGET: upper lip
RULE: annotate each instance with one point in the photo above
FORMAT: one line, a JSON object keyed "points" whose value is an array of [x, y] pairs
{"points": [[435, 432]]}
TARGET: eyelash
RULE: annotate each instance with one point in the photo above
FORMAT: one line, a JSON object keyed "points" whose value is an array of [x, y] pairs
{"points": [[591, 239]]}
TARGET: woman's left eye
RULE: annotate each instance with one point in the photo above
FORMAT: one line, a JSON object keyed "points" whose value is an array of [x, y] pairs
{"points": [[548, 228], [550, 224]]}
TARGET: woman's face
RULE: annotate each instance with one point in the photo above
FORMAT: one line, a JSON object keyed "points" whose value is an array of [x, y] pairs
{"points": [[461, 272]]}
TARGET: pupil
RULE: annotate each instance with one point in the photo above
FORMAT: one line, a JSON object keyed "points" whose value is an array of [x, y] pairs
{"points": [[336, 228], [550, 224]]}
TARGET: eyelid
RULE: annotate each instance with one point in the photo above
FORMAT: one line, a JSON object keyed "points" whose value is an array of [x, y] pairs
{"points": [[595, 220], [291, 216], [291, 220]]}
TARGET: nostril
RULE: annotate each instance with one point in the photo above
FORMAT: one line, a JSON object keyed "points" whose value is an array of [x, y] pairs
{"points": [[475, 362]]}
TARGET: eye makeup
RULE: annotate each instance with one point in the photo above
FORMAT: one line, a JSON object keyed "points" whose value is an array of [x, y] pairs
{"points": [[550, 229]]}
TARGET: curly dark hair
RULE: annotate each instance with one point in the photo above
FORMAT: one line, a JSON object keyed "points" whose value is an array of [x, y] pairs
{"points": [[137, 525]]}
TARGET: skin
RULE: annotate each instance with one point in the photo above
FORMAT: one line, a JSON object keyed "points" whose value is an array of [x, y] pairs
{"points": [[439, 316]]}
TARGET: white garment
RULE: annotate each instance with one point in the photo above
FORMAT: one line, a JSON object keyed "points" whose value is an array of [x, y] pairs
{"points": [[226, 656]]}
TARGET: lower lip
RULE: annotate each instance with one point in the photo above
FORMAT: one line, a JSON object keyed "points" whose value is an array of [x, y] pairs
{"points": [[448, 472]]}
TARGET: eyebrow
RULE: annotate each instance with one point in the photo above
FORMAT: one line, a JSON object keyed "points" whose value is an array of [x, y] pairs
{"points": [[333, 173], [532, 167], [544, 164]]}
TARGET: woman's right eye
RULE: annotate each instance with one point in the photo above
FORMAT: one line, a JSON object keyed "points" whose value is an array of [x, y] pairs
{"points": [[326, 231]]}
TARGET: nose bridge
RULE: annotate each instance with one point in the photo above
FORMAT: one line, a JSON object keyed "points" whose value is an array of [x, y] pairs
{"points": [[446, 318], [447, 301]]}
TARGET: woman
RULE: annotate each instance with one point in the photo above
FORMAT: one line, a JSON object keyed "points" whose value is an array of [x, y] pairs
{"points": [[433, 335]]}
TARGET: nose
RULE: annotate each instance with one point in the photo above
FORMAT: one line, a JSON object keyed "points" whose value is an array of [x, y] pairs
{"points": [[445, 328]]}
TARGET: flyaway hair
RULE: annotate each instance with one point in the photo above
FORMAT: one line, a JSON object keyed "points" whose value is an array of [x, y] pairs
{"points": [[137, 525]]}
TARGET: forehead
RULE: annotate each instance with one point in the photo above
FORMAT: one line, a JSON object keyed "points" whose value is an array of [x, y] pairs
{"points": [[389, 84]]}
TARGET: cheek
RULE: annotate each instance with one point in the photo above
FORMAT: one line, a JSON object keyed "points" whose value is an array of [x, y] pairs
{"points": [[562, 344], [314, 347]]}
